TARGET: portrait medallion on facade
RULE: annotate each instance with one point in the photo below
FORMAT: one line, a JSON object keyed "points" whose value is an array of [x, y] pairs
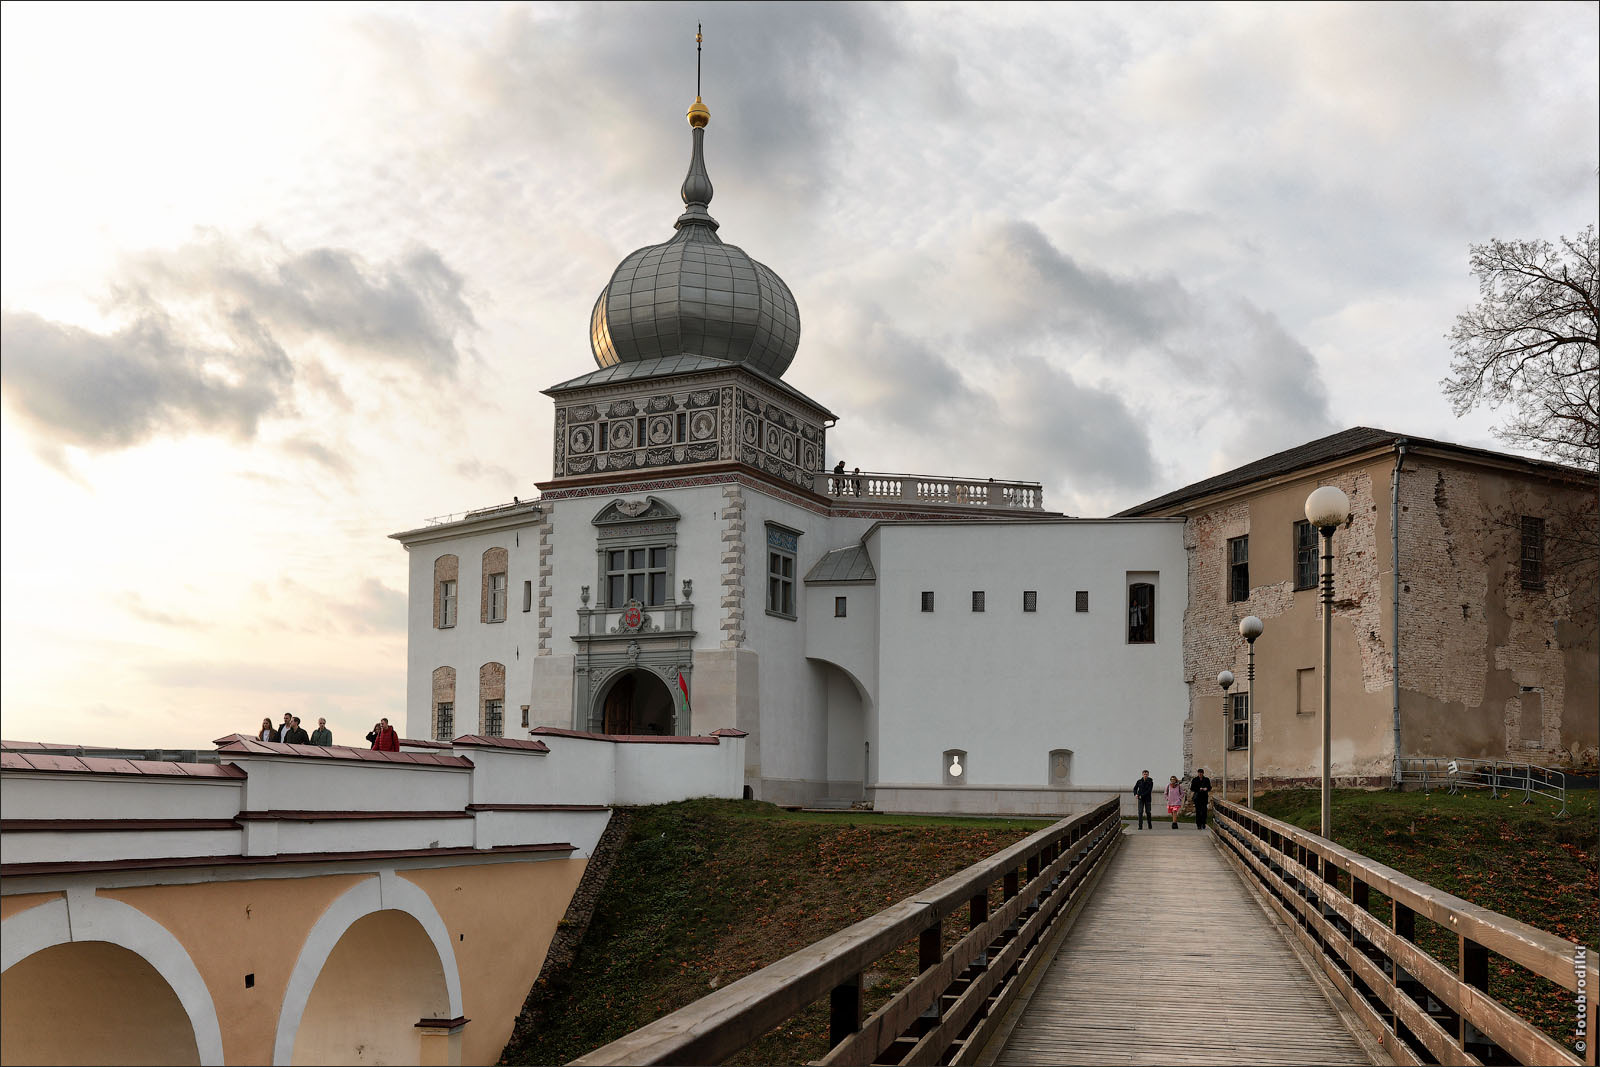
{"points": [[582, 439]]}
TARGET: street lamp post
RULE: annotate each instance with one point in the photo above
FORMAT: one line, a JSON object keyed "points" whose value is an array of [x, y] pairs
{"points": [[1225, 679], [1250, 628], [1326, 508]]}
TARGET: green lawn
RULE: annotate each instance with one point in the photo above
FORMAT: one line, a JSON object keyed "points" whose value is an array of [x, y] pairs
{"points": [[1517, 859], [705, 892]]}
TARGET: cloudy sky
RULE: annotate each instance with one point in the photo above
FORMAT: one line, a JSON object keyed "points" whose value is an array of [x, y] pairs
{"points": [[279, 281]]}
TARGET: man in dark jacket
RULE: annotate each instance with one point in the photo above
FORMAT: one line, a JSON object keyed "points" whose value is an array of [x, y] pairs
{"points": [[1200, 793], [322, 735], [296, 735], [1141, 789]]}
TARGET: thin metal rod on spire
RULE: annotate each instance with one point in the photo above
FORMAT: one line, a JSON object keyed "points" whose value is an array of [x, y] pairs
{"points": [[698, 28]]}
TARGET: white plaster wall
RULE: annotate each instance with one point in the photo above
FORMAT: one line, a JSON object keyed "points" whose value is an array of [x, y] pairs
{"points": [[794, 725], [1008, 686], [79, 796], [847, 732], [850, 642], [661, 773], [54, 847], [471, 643], [291, 784], [577, 771]]}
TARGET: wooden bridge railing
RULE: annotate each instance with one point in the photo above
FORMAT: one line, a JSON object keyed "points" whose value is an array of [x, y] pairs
{"points": [[1421, 1010], [945, 1015]]}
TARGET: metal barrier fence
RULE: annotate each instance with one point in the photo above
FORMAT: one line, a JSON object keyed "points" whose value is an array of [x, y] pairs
{"points": [[1456, 773], [949, 1011], [1419, 1009]]}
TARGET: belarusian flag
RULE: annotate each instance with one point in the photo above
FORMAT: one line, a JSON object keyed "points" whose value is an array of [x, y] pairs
{"points": [[683, 687]]}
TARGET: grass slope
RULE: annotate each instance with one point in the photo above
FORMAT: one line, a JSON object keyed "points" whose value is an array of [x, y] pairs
{"points": [[706, 892], [1519, 860]]}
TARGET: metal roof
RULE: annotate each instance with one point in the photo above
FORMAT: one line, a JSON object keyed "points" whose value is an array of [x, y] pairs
{"points": [[1351, 442], [843, 565]]}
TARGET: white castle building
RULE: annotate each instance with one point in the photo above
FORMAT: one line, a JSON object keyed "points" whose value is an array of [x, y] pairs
{"points": [[925, 643]]}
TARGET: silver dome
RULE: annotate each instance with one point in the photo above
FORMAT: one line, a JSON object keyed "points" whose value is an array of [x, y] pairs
{"points": [[695, 295]]}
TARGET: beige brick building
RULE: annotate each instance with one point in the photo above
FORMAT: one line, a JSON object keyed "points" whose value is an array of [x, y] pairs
{"points": [[1495, 629]]}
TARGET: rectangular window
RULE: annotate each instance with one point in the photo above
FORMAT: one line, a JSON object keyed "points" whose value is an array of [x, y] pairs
{"points": [[447, 604], [604, 444], [494, 716], [525, 708], [838, 607], [927, 601], [1305, 555], [497, 598], [636, 574], [1141, 613], [1532, 552], [1081, 600], [683, 428], [527, 596], [1030, 600], [780, 583], [1239, 568], [638, 436], [782, 545], [445, 727], [1239, 735], [977, 600]]}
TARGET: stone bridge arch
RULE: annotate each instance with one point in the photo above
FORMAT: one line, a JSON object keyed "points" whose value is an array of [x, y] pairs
{"points": [[385, 917], [118, 943]]}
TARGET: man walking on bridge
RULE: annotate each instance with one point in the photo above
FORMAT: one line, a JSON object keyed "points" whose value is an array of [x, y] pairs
{"points": [[1142, 789], [1200, 791]]}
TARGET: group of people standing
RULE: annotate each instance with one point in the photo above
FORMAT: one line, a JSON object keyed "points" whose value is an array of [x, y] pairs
{"points": [[291, 733], [383, 737], [1199, 792]]}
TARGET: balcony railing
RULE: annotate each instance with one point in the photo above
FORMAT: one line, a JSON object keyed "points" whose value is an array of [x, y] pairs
{"points": [[943, 492]]}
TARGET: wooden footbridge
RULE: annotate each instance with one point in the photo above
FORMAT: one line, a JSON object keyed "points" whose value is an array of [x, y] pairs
{"points": [[1252, 942]]}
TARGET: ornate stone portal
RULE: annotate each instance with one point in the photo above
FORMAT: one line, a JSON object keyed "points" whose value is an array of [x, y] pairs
{"points": [[634, 625]]}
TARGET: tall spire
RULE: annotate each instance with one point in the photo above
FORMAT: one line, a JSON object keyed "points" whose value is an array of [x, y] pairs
{"points": [[697, 189]]}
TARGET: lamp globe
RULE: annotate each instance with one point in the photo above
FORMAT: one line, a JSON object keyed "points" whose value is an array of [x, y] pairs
{"points": [[1327, 506]]}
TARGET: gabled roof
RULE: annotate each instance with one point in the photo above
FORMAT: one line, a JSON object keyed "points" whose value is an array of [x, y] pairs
{"points": [[850, 564], [1351, 442]]}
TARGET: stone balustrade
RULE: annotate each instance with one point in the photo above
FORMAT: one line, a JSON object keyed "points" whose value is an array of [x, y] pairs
{"points": [[930, 490]]}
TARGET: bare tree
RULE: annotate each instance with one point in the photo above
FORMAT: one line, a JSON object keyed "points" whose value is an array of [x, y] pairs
{"points": [[1533, 341]]}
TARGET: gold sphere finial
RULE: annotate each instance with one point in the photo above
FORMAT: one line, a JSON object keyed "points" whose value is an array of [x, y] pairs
{"points": [[699, 115]]}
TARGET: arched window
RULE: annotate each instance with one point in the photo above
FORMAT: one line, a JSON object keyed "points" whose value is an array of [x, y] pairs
{"points": [[444, 703], [446, 579], [492, 700], [496, 586]]}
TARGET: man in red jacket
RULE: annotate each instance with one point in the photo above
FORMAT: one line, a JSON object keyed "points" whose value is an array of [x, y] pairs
{"points": [[384, 738]]}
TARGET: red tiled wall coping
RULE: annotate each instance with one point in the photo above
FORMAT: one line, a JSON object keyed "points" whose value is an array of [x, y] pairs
{"points": [[34, 761], [480, 741], [239, 745]]}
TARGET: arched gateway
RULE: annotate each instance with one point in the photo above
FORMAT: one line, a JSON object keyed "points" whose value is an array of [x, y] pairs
{"points": [[635, 701]]}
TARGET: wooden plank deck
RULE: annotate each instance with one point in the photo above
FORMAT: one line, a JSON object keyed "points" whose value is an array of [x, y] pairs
{"points": [[1173, 961]]}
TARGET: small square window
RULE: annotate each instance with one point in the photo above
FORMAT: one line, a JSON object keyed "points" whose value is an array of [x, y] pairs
{"points": [[838, 607], [1080, 600], [1030, 600], [977, 600], [927, 601]]}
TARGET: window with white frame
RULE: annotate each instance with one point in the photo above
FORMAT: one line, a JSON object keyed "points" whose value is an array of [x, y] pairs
{"points": [[497, 597], [1239, 720], [447, 604], [782, 546]]}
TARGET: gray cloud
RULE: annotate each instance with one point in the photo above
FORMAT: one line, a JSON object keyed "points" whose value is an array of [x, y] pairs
{"points": [[202, 348], [134, 604], [375, 609], [106, 391]]}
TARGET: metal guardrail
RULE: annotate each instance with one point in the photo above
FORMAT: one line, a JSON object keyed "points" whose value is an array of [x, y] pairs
{"points": [[949, 1011], [1419, 1009], [1457, 773]]}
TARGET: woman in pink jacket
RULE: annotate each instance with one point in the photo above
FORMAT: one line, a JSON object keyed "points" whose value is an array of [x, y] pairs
{"points": [[1174, 800]]}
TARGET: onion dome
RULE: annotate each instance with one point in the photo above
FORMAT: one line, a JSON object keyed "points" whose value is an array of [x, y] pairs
{"points": [[695, 295]]}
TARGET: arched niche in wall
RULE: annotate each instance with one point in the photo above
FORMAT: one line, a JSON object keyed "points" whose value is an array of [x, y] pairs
{"points": [[956, 771]]}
